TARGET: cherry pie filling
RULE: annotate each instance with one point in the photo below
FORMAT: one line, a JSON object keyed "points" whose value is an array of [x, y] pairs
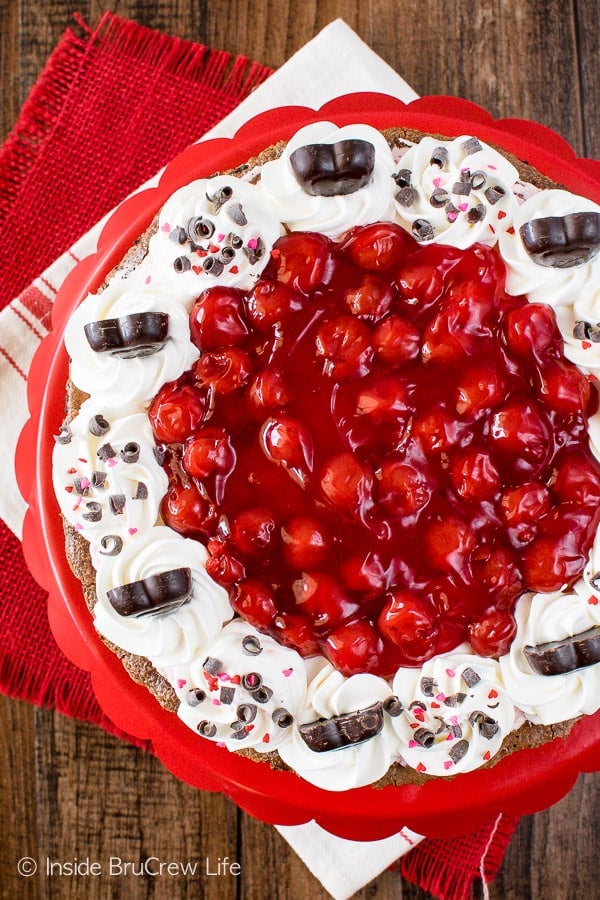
{"points": [[380, 448]]}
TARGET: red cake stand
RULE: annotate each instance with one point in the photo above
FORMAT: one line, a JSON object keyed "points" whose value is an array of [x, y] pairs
{"points": [[524, 782]]}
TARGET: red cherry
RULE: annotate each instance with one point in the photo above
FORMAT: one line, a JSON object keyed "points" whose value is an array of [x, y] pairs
{"points": [[436, 430], [347, 484], [225, 371], [345, 344], [187, 511], [559, 553], [269, 389], [354, 647], [306, 544], [396, 340], [208, 452], [270, 302], [255, 602], [380, 247], [176, 412], [382, 397], [474, 475], [493, 634], [563, 387], [301, 260], [519, 432], [524, 504], [253, 531], [532, 331], [453, 331], [403, 488], [217, 318], [222, 567], [371, 299], [363, 572], [295, 631], [577, 478], [288, 442], [496, 569], [406, 617], [323, 600], [479, 388], [419, 284], [448, 543]]}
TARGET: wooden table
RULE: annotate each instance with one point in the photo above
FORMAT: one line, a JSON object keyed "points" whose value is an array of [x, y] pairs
{"points": [[71, 791]]}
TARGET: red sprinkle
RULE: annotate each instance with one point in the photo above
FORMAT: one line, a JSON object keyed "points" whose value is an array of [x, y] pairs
{"points": [[593, 601], [421, 768]]}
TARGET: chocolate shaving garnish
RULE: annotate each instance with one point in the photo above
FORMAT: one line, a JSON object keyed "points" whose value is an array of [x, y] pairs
{"points": [[82, 486], [178, 235], [393, 706], [199, 229], [111, 545], [461, 188], [117, 504], [141, 492], [472, 145], [220, 197], [487, 726], [418, 703], [98, 478], [251, 645], [470, 677], [406, 196], [212, 666], [94, 511], [238, 733], [439, 157], [424, 737], [207, 729], [585, 331], [212, 265], [282, 718], [155, 594], [595, 581], [195, 696], [160, 455], [439, 198], [234, 240], [402, 178], [64, 436], [561, 242], [130, 452], [237, 214], [493, 194], [455, 699], [332, 170], [478, 179], [455, 730], [428, 686], [182, 264], [256, 252], [565, 655], [343, 730], [459, 750], [252, 681], [139, 334], [476, 214], [422, 230], [226, 695], [98, 425], [226, 254], [246, 712]]}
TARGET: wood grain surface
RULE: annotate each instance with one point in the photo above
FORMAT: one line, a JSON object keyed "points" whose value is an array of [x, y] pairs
{"points": [[68, 790]]}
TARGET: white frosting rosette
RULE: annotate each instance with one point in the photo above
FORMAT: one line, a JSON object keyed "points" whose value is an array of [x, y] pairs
{"points": [[245, 693], [332, 216], [108, 484], [137, 379], [576, 286], [541, 618], [213, 231], [462, 190], [171, 637], [456, 713], [331, 694]]}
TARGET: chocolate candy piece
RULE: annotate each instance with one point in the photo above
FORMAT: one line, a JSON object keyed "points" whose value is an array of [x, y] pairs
{"points": [[64, 436], [139, 334], [343, 730], [565, 655], [331, 170], [156, 594], [562, 241], [111, 545]]}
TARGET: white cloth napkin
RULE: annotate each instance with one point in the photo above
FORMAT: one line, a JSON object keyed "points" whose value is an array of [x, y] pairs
{"points": [[333, 63]]}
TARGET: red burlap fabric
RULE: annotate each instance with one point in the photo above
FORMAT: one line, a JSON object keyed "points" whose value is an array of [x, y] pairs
{"points": [[112, 106]]}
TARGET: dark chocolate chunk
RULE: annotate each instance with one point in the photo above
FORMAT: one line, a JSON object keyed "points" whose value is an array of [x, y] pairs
{"points": [[141, 492], [422, 230], [494, 194], [344, 730], [439, 198], [393, 706], [402, 178], [251, 645], [476, 214], [586, 331], [282, 717], [220, 197], [212, 265], [472, 145], [262, 694], [424, 737], [252, 681], [94, 512], [238, 731], [195, 696], [462, 188], [234, 240], [98, 479], [111, 545], [207, 729], [255, 252], [130, 452], [64, 436], [452, 211], [331, 170], [565, 655], [455, 730], [237, 214], [428, 686], [226, 254], [178, 235], [182, 264], [478, 180], [98, 425], [199, 229], [226, 695], [470, 677], [117, 504], [139, 334], [595, 581], [246, 712], [561, 242], [212, 666], [406, 196], [488, 727], [82, 486], [458, 751], [455, 699], [439, 157], [156, 594], [105, 452]]}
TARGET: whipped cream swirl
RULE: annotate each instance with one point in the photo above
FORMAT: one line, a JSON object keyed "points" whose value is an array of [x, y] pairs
{"points": [[330, 694], [246, 693], [213, 231], [133, 380], [456, 713], [106, 478], [455, 192], [332, 216], [541, 618], [168, 638]]}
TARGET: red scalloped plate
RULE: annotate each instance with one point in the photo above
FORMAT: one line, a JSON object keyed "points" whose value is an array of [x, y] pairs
{"points": [[524, 782]]}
